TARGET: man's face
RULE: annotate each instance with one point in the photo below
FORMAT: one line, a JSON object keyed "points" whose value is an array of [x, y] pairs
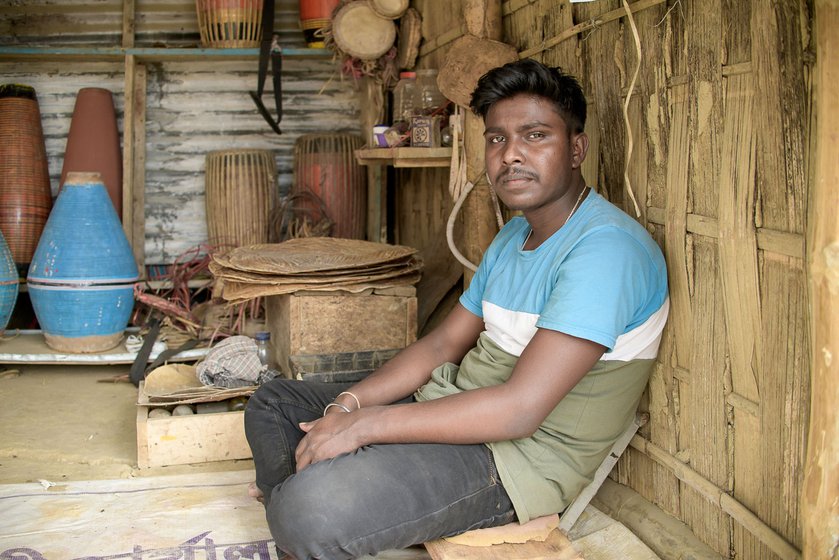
{"points": [[532, 158]]}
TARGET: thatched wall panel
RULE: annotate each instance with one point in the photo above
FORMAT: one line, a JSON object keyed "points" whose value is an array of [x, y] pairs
{"points": [[785, 392], [778, 62], [719, 119]]}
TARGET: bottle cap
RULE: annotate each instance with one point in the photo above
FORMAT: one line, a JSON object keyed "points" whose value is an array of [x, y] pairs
{"points": [[262, 335]]}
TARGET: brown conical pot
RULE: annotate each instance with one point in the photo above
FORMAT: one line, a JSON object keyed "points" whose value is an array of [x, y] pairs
{"points": [[25, 195], [93, 144]]}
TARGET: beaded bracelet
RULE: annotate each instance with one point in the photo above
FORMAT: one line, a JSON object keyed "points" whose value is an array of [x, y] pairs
{"points": [[357, 402], [339, 405]]}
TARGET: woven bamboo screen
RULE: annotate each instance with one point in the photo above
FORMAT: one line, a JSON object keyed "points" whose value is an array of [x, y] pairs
{"points": [[719, 118]]}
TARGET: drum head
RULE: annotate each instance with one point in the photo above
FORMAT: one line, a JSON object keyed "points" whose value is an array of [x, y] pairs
{"points": [[361, 32], [390, 9]]}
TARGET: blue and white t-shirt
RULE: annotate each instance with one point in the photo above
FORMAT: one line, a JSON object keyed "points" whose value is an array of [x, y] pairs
{"points": [[600, 277]]}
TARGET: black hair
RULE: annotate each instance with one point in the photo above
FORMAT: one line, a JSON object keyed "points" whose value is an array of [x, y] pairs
{"points": [[532, 77]]}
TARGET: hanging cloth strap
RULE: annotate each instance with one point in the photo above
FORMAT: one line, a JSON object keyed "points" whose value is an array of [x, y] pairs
{"points": [[269, 49]]}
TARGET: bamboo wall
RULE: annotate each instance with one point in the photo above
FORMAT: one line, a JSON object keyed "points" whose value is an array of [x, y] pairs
{"points": [[719, 118]]}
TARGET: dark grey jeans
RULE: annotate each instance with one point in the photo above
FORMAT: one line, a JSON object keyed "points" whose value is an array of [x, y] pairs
{"points": [[377, 498]]}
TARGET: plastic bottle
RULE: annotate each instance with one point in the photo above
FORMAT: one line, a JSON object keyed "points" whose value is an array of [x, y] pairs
{"points": [[430, 98], [405, 98], [263, 348]]}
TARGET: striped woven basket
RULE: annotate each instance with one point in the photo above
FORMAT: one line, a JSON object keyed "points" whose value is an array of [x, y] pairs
{"points": [[25, 195]]}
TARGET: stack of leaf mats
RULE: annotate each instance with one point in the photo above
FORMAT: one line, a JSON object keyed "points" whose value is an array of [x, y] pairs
{"points": [[313, 264]]}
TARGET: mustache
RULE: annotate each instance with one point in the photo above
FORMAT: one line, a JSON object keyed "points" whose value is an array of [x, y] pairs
{"points": [[512, 173]]}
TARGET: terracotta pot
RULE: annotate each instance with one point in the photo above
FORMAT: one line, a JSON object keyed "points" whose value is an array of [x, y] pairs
{"points": [[25, 195], [93, 144]]}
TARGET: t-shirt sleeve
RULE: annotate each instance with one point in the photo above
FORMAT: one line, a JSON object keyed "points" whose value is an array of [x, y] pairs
{"points": [[472, 297], [599, 288]]}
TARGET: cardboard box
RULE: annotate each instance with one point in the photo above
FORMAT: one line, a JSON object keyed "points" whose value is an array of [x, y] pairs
{"points": [[318, 323], [197, 438]]}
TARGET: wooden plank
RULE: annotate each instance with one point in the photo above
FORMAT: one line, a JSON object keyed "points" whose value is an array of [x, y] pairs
{"points": [[197, 438], [405, 157], [555, 547], [128, 26], [820, 498], [336, 322], [29, 347]]}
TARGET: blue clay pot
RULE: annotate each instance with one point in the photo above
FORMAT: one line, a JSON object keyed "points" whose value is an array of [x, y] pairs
{"points": [[82, 275], [9, 284]]}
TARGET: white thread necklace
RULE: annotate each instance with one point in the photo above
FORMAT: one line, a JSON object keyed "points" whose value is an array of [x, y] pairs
{"points": [[568, 217]]}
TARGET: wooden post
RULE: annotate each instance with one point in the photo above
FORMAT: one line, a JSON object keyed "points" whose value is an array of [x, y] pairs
{"points": [[134, 159], [478, 212], [372, 97], [820, 498], [483, 20]]}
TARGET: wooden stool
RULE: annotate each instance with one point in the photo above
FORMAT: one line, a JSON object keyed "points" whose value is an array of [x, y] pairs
{"points": [[556, 546]]}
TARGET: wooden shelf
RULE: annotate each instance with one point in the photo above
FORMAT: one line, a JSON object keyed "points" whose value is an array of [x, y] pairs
{"points": [[405, 157], [117, 53]]}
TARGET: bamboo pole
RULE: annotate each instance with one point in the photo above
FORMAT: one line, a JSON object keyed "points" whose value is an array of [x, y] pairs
{"points": [[717, 496], [820, 497]]}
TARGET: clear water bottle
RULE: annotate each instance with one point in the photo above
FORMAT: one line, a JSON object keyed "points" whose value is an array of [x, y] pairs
{"points": [[405, 98], [263, 348], [430, 98]]}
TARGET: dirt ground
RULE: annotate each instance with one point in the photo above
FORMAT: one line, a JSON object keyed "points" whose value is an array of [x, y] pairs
{"points": [[62, 422]]}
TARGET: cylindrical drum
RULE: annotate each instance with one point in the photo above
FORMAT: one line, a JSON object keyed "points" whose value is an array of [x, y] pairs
{"points": [[8, 283], [325, 166], [230, 23], [93, 142], [25, 196], [240, 193], [314, 16], [81, 279]]}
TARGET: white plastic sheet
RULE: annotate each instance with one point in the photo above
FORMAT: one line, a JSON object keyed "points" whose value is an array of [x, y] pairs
{"points": [[203, 516]]}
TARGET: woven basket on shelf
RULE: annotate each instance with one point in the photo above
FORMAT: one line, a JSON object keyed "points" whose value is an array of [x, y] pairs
{"points": [[230, 23]]}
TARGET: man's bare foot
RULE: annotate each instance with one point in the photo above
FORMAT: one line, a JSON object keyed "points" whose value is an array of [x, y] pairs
{"points": [[255, 493]]}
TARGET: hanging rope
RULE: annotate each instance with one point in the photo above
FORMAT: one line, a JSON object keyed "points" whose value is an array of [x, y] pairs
{"points": [[460, 187], [629, 145]]}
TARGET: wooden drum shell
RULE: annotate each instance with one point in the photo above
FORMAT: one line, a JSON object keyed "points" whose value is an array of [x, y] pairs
{"points": [[241, 192], [325, 165]]}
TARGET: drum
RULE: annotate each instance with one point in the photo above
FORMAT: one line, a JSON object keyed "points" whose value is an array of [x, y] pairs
{"points": [[361, 32], [230, 23], [9, 284], [314, 16], [82, 275], [93, 142], [240, 193], [390, 9], [325, 166], [25, 195]]}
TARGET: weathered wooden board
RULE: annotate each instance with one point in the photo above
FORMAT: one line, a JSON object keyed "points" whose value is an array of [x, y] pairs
{"points": [[338, 322], [197, 438]]}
